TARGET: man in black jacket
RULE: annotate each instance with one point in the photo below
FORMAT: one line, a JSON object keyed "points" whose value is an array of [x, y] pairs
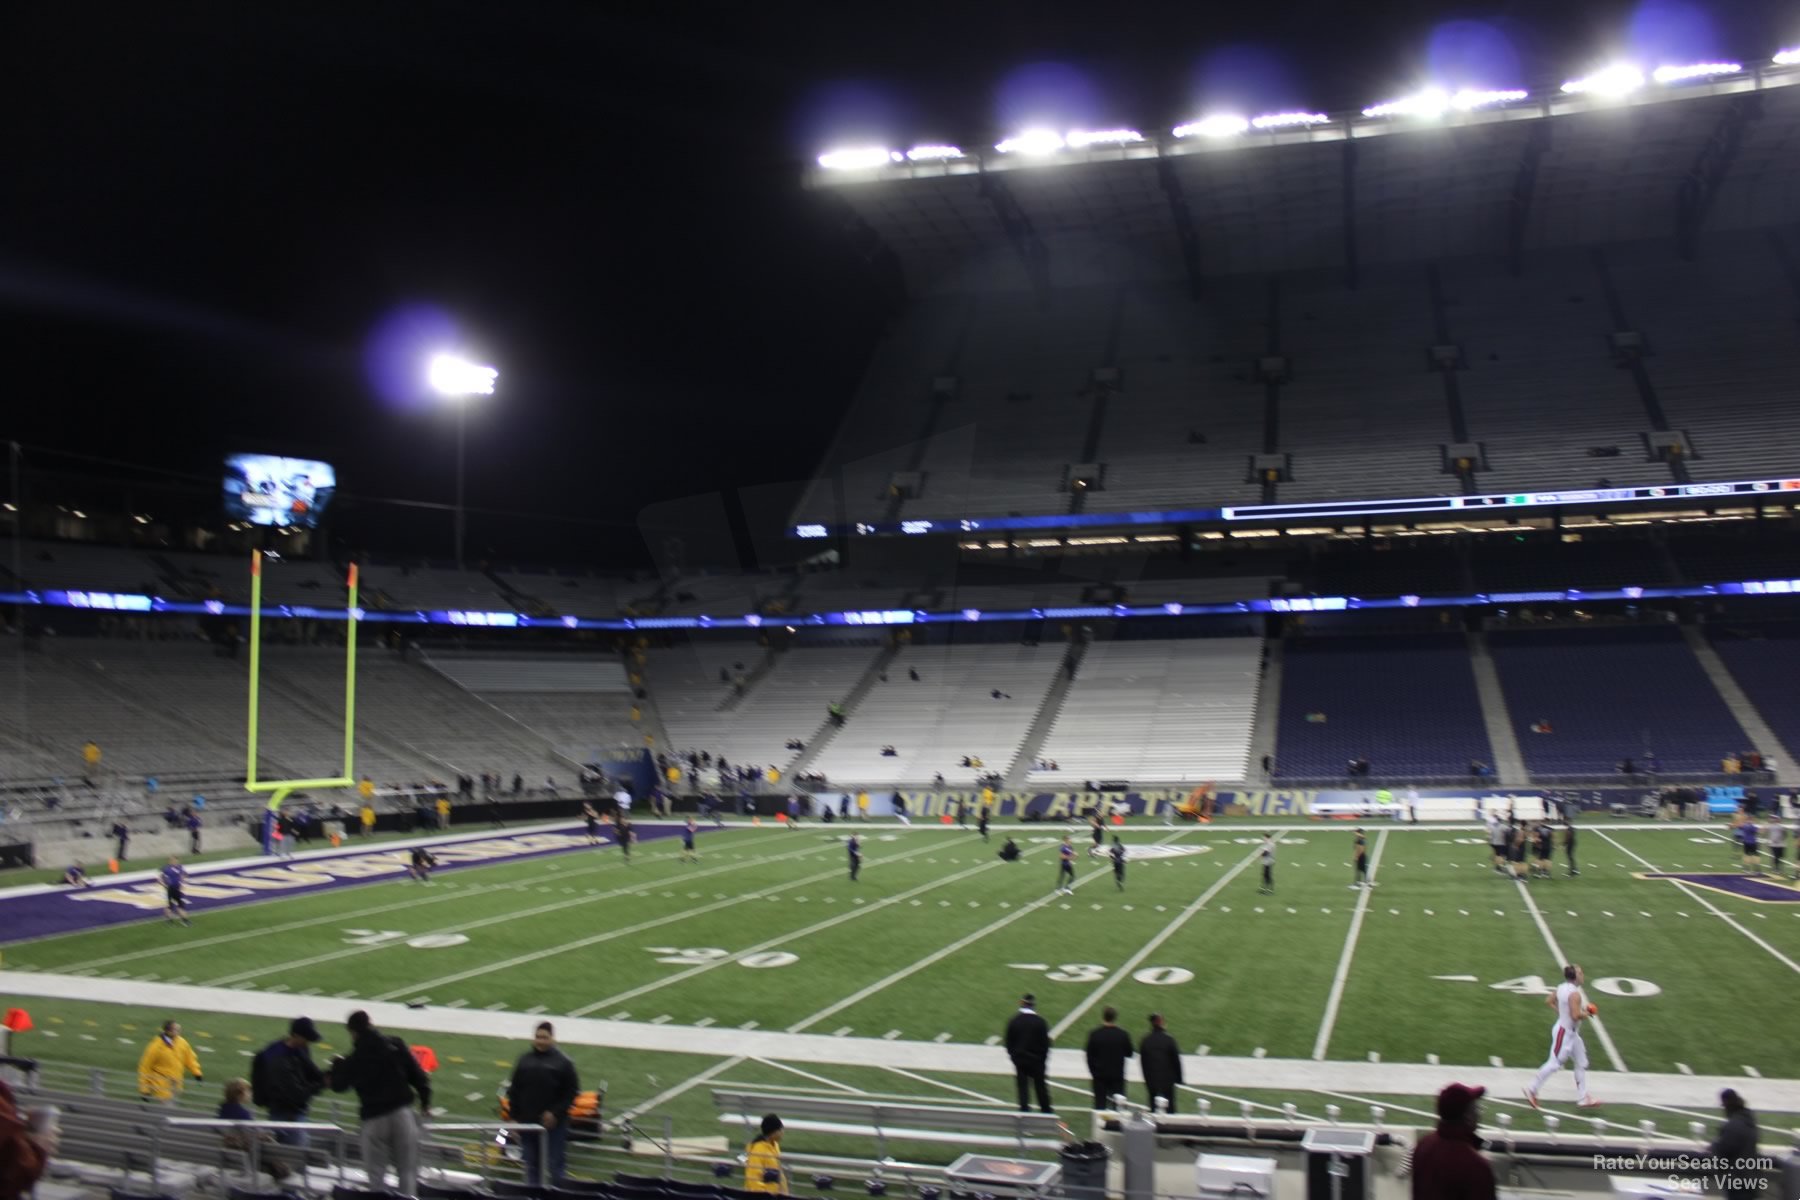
{"points": [[1107, 1049], [1028, 1045], [1736, 1145], [1159, 1058], [544, 1085], [284, 1078], [387, 1079]]}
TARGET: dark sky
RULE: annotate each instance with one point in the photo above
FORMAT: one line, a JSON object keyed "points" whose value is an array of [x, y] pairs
{"points": [[206, 207]]}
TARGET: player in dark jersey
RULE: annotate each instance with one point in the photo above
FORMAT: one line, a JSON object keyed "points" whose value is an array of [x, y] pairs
{"points": [[1099, 832], [1118, 863], [1747, 834], [622, 829], [1362, 860], [76, 876], [1515, 849], [174, 902], [1065, 870], [1546, 849], [422, 863], [591, 820], [1569, 844], [687, 843], [981, 825], [854, 845]]}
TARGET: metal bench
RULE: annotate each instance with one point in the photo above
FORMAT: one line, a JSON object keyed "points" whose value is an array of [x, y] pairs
{"points": [[882, 1120]]}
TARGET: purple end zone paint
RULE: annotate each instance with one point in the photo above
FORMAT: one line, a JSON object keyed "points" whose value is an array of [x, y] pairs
{"points": [[47, 914], [1762, 888]]}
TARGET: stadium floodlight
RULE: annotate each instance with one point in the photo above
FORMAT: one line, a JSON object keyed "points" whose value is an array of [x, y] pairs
{"points": [[1215, 126], [1435, 102], [1617, 80], [1707, 70], [1032, 141], [456, 379], [1080, 138], [932, 153], [1288, 120], [452, 376], [858, 158], [1788, 58]]}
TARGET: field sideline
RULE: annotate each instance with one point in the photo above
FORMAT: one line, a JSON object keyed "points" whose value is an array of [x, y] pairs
{"points": [[764, 958]]}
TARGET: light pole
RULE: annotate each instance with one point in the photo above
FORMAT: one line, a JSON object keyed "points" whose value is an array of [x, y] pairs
{"points": [[457, 379]]}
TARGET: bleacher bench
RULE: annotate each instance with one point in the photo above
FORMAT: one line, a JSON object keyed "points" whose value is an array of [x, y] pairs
{"points": [[883, 1120]]}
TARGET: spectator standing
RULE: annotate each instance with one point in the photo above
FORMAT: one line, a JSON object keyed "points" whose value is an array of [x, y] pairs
{"points": [[90, 761], [368, 815], [622, 798], [1108, 1047], [388, 1080], [443, 804], [1736, 1143], [1028, 1046], [544, 1086], [164, 1063], [1159, 1058], [121, 833], [193, 828], [1447, 1164], [284, 1079]]}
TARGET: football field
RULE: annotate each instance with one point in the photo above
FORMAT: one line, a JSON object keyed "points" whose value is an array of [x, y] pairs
{"points": [[751, 965]]}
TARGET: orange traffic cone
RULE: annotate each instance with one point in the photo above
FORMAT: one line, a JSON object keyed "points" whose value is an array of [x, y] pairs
{"points": [[1118, 818], [112, 864], [945, 819]]}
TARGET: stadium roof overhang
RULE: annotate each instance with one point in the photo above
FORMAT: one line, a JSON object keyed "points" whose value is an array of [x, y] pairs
{"points": [[1557, 170]]}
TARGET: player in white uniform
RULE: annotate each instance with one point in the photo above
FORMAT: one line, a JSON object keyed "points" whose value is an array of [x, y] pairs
{"points": [[1572, 1008]]}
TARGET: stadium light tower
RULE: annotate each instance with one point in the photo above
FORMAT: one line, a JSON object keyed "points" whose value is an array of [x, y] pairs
{"points": [[458, 380]]}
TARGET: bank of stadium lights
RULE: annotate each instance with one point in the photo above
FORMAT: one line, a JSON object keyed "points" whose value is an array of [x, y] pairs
{"points": [[1621, 79], [1223, 125], [1435, 102], [1617, 80], [1218, 126], [1048, 141], [861, 158], [1788, 58], [866, 158], [1681, 74]]}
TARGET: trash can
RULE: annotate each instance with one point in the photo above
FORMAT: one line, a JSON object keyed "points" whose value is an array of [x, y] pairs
{"points": [[1084, 1170]]}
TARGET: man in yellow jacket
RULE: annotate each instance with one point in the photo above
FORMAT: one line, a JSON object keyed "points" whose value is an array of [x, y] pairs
{"points": [[166, 1059]]}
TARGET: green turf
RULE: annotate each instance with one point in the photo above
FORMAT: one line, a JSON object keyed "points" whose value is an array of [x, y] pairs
{"points": [[939, 937]]}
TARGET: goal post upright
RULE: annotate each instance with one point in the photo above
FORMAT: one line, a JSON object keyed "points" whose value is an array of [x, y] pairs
{"points": [[278, 790]]}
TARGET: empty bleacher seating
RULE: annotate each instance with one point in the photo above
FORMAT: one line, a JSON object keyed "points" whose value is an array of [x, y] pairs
{"points": [[1406, 703]]}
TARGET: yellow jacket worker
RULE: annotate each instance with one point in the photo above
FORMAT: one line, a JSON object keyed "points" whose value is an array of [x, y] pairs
{"points": [[165, 1060], [762, 1160]]}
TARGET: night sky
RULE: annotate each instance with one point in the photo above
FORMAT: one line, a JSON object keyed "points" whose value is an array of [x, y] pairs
{"points": [[207, 208]]}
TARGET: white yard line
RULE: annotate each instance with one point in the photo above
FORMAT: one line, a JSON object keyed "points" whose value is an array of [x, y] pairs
{"points": [[641, 887], [684, 1087], [937, 956], [627, 931], [830, 1083], [1336, 998], [1695, 895], [881, 905], [1612, 1051], [1168, 931]]}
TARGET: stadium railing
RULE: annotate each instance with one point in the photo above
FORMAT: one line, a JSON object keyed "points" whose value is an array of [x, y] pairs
{"points": [[883, 1120]]}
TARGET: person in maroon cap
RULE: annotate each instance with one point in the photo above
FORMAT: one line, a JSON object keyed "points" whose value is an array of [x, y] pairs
{"points": [[1448, 1164]]}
